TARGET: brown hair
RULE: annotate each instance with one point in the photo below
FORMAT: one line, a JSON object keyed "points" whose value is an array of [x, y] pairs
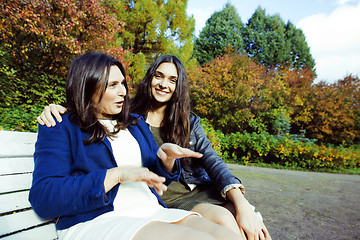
{"points": [[175, 127], [88, 74]]}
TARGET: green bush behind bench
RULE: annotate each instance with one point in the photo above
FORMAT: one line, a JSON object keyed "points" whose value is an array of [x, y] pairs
{"points": [[290, 151]]}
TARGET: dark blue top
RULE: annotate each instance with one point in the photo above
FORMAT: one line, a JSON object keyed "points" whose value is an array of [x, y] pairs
{"points": [[68, 178], [210, 168]]}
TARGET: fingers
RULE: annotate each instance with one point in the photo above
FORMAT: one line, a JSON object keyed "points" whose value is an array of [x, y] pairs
{"points": [[172, 151], [159, 187], [141, 174], [61, 109], [43, 119], [155, 181], [242, 233], [257, 234], [161, 154], [56, 110], [266, 233], [48, 114], [41, 122], [189, 153]]}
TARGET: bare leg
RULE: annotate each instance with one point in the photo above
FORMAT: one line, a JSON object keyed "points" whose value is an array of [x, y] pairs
{"points": [[217, 214], [192, 228], [165, 231]]}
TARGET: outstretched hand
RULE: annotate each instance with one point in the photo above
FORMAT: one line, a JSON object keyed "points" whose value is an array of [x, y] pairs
{"points": [[125, 174], [168, 152], [48, 114], [142, 174]]}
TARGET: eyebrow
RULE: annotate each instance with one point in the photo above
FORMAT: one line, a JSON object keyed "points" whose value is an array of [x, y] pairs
{"points": [[159, 72]]}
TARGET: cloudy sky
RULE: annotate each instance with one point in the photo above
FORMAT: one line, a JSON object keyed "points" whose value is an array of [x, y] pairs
{"points": [[331, 28]]}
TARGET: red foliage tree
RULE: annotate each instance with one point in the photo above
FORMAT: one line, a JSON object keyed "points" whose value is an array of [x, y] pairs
{"points": [[335, 111], [48, 34]]}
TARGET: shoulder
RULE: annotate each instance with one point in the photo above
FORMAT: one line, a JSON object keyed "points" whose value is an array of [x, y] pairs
{"points": [[139, 118], [140, 122], [60, 133], [193, 119], [64, 124], [135, 115]]}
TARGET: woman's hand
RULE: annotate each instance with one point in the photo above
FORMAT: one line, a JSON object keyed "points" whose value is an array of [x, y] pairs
{"points": [[51, 111], [250, 223], [118, 175], [168, 152]]}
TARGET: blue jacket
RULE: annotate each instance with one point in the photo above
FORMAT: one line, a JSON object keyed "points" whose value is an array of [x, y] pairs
{"points": [[68, 178], [210, 169]]}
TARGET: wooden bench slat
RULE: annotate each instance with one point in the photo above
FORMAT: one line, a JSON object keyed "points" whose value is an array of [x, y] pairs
{"points": [[16, 165], [17, 143], [47, 232], [12, 183], [14, 201], [19, 221]]}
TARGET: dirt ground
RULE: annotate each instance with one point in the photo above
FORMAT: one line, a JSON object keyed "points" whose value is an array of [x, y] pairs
{"points": [[303, 205]]}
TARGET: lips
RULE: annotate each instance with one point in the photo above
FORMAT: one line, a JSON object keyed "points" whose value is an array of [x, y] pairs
{"points": [[161, 92], [119, 103]]}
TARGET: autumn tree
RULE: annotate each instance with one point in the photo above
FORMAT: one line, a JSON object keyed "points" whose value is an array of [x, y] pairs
{"points": [[300, 82], [271, 42], [236, 94], [222, 31], [153, 27], [38, 39], [335, 111]]}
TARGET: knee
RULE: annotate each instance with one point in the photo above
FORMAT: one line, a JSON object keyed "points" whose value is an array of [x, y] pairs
{"points": [[218, 215], [224, 218]]}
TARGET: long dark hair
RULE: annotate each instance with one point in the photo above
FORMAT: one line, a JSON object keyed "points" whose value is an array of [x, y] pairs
{"points": [[89, 74], [175, 127]]}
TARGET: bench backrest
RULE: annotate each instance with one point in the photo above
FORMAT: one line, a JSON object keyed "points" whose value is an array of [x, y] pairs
{"points": [[17, 219]]}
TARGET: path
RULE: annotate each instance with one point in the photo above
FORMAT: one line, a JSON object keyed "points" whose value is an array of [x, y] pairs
{"points": [[304, 205]]}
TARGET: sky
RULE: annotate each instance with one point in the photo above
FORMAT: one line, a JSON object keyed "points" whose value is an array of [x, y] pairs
{"points": [[331, 28]]}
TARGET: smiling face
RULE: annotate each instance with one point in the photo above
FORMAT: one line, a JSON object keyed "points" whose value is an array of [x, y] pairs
{"points": [[113, 99], [163, 84]]}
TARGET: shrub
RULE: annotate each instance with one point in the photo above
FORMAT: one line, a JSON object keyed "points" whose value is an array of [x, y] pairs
{"points": [[20, 118], [288, 151]]}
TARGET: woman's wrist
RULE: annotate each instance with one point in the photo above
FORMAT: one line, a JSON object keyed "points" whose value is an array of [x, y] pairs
{"points": [[169, 166], [112, 178]]}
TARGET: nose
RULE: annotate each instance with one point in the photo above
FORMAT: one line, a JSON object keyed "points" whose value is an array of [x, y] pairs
{"points": [[163, 82], [122, 90]]}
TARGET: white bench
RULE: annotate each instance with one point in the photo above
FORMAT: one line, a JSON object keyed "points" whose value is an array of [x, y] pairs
{"points": [[17, 219]]}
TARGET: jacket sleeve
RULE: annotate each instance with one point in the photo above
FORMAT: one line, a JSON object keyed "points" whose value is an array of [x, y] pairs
{"points": [[215, 167], [161, 170], [151, 160], [56, 191]]}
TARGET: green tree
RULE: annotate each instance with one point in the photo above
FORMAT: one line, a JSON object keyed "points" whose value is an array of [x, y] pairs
{"points": [[222, 30], [153, 27], [272, 42]]}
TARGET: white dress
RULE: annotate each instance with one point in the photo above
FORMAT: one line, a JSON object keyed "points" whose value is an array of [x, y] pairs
{"points": [[134, 205]]}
